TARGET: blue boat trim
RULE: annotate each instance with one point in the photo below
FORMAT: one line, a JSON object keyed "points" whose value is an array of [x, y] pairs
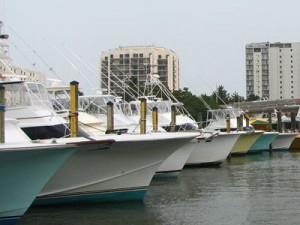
{"points": [[9, 220], [93, 197]]}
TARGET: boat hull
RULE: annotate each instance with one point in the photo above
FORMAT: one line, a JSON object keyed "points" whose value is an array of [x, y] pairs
{"points": [[211, 152], [23, 174], [263, 142], [174, 164], [296, 143], [123, 172], [283, 141], [244, 143]]}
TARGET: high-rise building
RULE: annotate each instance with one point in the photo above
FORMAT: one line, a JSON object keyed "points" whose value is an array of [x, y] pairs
{"points": [[125, 66], [273, 70]]}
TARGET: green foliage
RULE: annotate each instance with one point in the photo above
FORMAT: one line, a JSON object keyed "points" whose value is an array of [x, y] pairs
{"points": [[197, 108], [193, 103], [235, 97], [252, 97], [221, 96]]}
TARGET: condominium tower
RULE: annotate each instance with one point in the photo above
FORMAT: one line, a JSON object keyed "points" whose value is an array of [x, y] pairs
{"points": [[273, 70], [125, 66]]}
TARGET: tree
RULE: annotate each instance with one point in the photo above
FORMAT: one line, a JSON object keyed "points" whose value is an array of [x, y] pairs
{"points": [[193, 104], [221, 95], [252, 97], [235, 97]]}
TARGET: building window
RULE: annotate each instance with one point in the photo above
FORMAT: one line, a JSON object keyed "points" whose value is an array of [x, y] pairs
{"points": [[111, 56], [141, 56], [280, 61], [292, 96], [291, 71], [280, 86], [280, 97], [292, 76], [292, 92], [280, 56], [291, 61], [279, 50], [291, 66], [159, 56], [126, 55], [280, 77], [106, 58], [292, 81], [281, 92], [121, 56], [291, 50], [280, 71], [292, 86], [291, 56], [281, 82]]}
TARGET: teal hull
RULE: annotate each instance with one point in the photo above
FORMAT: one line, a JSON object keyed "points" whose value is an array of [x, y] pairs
{"points": [[263, 142], [24, 172], [116, 196]]}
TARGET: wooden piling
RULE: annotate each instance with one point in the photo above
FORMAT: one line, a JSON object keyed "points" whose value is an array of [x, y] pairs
{"points": [[279, 122], [110, 118], [269, 121], [143, 115], [228, 123], [155, 118], [238, 123], [73, 115], [173, 118], [293, 121]]}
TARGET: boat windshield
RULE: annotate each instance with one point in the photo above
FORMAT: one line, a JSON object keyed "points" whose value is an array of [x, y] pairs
{"points": [[16, 95], [97, 104], [38, 94]]}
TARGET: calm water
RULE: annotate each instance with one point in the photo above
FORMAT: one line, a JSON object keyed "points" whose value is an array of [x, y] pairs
{"points": [[254, 189]]}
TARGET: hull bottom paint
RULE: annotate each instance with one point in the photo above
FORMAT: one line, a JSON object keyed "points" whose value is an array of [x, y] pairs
{"points": [[121, 195], [9, 220]]}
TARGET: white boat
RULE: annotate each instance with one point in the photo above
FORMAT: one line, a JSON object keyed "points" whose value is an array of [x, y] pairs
{"points": [[28, 103], [122, 173], [102, 174], [283, 141], [93, 114], [211, 150], [26, 167]]}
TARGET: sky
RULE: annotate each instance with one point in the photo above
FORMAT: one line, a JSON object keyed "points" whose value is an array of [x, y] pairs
{"points": [[208, 36]]}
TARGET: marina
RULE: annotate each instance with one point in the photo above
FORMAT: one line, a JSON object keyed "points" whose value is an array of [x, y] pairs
{"points": [[127, 149], [250, 189]]}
